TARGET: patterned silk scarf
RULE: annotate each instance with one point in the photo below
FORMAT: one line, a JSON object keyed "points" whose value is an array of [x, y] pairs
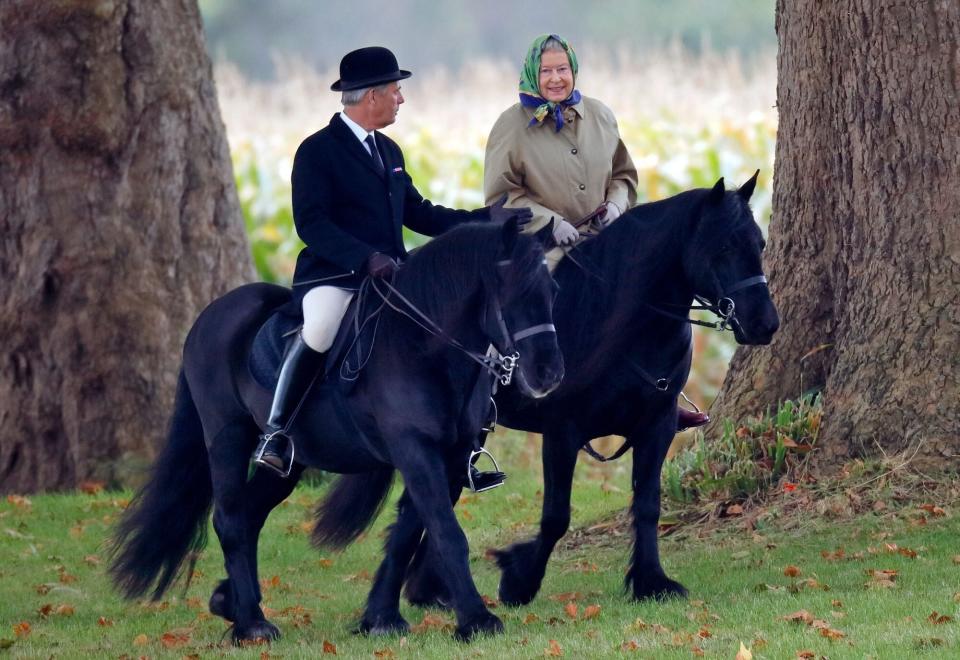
{"points": [[530, 84]]}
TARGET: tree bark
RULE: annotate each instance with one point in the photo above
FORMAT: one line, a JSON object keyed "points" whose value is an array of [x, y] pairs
{"points": [[864, 250], [119, 222]]}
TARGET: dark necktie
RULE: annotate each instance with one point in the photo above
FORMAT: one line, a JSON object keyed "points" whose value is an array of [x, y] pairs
{"points": [[374, 154]]}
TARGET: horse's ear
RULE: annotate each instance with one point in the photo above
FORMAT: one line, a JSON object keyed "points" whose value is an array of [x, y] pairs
{"points": [[718, 191], [508, 232], [545, 235], [746, 190]]}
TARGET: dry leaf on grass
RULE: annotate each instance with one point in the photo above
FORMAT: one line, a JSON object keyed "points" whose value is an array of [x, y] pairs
{"points": [[744, 653], [554, 650], [329, 648]]}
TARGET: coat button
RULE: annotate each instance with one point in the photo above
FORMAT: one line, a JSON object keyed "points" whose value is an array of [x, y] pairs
{"points": [[573, 151], [582, 187]]}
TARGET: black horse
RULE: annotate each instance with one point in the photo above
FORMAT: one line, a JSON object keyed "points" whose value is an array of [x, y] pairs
{"points": [[621, 317], [418, 393]]}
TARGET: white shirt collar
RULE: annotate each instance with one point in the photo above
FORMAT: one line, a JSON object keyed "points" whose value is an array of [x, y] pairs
{"points": [[357, 129]]}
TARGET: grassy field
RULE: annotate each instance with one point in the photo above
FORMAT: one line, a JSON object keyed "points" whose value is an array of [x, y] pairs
{"points": [[883, 584]]}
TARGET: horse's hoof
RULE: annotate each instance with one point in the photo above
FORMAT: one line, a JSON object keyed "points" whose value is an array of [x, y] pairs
{"points": [[380, 624], [221, 602], [485, 624], [257, 632], [656, 587], [519, 583]]}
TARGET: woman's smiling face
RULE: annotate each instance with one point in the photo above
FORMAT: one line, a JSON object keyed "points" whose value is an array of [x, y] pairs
{"points": [[556, 76]]}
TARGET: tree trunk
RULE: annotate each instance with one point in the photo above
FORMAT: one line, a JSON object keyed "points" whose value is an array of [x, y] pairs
{"points": [[119, 221], [864, 256]]}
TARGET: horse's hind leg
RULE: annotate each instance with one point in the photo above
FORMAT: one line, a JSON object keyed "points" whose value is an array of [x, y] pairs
{"points": [[382, 614], [524, 564], [264, 492], [229, 454], [645, 577]]}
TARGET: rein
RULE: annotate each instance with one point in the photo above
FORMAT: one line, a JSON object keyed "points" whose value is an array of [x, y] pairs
{"points": [[500, 366]]}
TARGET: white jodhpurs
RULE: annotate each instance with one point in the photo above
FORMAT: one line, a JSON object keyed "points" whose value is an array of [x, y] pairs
{"points": [[323, 310]]}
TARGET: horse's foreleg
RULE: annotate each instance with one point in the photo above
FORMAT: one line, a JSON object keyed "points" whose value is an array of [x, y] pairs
{"points": [[263, 493], [424, 587], [382, 614], [229, 456], [524, 564], [645, 577], [425, 476]]}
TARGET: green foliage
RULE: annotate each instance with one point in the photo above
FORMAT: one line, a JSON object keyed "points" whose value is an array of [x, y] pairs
{"points": [[747, 460]]}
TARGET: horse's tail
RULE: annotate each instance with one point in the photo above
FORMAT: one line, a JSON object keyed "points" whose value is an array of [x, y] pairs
{"points": [[167, 519], [350, 507]]}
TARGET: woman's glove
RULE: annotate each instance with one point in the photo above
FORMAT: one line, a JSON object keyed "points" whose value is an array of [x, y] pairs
{"points": [[564, 233], [610, 213]]}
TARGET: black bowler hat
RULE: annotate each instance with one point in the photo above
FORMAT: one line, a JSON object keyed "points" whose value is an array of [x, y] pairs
{"points": [[368, 67]]}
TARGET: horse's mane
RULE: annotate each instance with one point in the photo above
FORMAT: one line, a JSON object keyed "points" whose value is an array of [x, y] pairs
{"points": [[638, 259], [442, 274]]}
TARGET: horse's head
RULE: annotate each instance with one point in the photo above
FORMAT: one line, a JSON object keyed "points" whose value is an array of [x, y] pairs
{"points": [[519, 316], [723, 263]]}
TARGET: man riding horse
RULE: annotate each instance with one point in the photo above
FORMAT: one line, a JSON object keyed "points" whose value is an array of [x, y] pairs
{"points": [[351, 197]]}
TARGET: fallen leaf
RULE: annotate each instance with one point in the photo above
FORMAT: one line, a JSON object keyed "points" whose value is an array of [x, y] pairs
{"points": [[570, 609], [141, 640], [830, 633], [173, 639], [554, 650], [431, 622], [91, 560], [938, 619], [104, 622], [591, 611], [329, 648], [806, 654], [791, 571], [629, 646], [928, 642], [530, 618], [697, 651], [800, 616], [744, 653], [489, 602], [384, 653], [933, 510], [21, 629], [65, 610], [956, 559], [19, 501], [566, 597], [734, 510], [44, 610], [325, 563]]}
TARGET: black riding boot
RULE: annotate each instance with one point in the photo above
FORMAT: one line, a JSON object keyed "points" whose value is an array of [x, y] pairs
{"points": [[300, 365]]}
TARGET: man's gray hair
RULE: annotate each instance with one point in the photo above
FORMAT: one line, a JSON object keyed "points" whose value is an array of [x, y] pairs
{"points": [[354, 96]]}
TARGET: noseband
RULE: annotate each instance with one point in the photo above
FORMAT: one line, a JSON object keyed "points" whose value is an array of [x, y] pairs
{"points": [[725, 308], [510, 355]]}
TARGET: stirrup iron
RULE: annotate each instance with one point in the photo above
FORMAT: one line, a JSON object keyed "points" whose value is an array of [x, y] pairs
{"points": [[489, 479]]}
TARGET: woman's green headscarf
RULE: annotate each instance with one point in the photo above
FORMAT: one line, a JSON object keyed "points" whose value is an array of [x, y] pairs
{"points": [[530, 95]]}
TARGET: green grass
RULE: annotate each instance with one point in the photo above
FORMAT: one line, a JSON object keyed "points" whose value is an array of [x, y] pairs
{"points": [[51, 554]]}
